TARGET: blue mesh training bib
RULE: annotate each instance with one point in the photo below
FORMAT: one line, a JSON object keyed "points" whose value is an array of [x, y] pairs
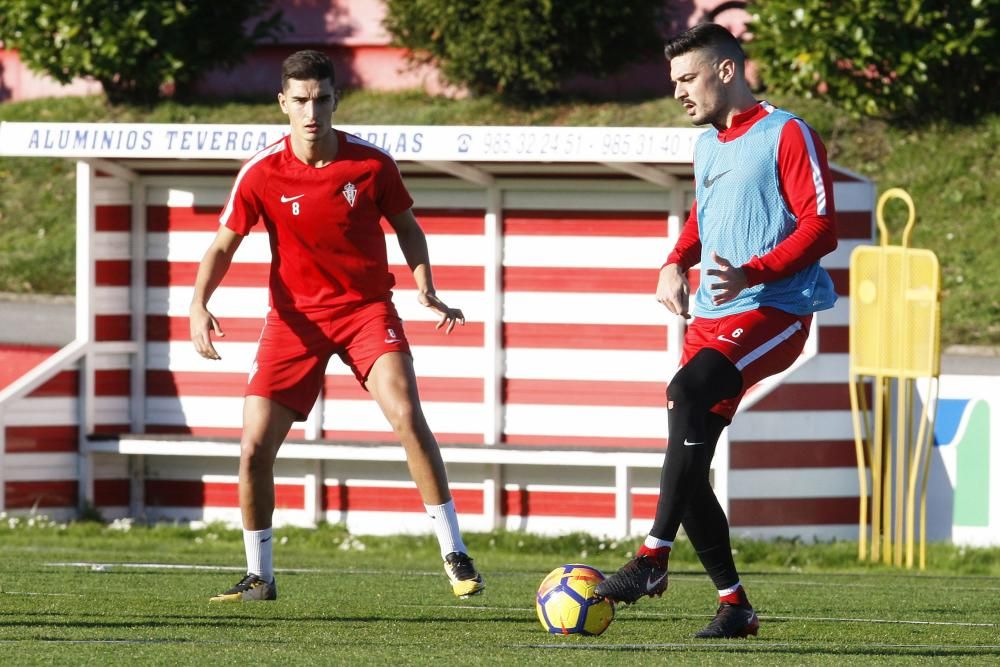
{"points": [[741, 213]]}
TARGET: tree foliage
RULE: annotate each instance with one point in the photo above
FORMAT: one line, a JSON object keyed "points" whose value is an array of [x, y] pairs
{"points": [[134, 48], [523, 48], [897, 59]]}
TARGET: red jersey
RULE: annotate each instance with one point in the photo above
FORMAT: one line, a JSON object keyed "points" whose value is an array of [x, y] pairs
{"points": [[327, 244], [807, 187]]}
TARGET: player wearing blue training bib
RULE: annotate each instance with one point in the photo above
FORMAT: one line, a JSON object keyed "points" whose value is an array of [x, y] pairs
{"points": [[763, 218]]}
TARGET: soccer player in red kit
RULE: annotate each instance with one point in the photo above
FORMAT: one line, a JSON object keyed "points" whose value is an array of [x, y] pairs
{"points": [[762, 219], [321, 194]]}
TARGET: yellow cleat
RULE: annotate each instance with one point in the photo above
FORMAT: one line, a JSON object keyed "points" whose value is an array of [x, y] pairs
{"points": [[465, 580], [250, 588]]}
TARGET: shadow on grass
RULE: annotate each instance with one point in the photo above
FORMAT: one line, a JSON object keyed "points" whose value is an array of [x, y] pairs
{"points": [[57, 620], [753, 647]]}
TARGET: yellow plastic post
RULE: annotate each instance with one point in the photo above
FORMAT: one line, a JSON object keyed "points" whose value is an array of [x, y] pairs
{"points": [[894, 341], [861, 438]]}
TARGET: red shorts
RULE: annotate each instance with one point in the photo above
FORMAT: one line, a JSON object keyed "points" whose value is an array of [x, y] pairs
{"points": [[295, 348], [759, 342]]}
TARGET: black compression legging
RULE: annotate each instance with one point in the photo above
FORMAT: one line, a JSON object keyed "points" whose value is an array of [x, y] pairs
{"points": [[686, 495]]}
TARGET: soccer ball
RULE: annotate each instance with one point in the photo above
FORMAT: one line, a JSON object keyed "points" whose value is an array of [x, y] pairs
{"points": [[566, 603]]}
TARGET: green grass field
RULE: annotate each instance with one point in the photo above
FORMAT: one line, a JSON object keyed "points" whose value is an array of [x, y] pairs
{"points": [[90, 594]]}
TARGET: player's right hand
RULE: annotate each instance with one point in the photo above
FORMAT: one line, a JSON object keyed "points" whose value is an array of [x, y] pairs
{"points": [[203, 323], [672, 290], [449, 316]]}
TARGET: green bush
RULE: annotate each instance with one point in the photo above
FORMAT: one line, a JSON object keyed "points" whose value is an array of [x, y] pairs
{"points": [[906, 60], [134, 48], [523, 48]]}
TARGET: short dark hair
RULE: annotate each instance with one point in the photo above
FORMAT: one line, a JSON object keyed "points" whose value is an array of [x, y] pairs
{"points": [[307, 65], [708, 36]]}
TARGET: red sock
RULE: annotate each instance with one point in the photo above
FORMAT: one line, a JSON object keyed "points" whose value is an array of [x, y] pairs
{"points": [[737, 597], [658, 555]]}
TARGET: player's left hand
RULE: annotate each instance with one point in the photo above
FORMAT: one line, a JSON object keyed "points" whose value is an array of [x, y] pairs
{"points": [[449, 316], [731, 280]]}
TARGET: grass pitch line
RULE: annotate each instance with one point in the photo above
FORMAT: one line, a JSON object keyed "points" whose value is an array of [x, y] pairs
{"points": [[761, 580], [763, 617], [966, 624], [822, 584], [103, 567], [754, 643], [835, 619], [58, 640]]}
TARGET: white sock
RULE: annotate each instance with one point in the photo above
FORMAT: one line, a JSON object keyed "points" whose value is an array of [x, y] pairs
{"points": [[445, 522], [258, 545], [729, 591], [656, 543]]}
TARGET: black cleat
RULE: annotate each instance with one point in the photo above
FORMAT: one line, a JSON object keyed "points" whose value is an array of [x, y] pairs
{"points": [[465, 580], [250, 588], [640, 576], [731, 622]]}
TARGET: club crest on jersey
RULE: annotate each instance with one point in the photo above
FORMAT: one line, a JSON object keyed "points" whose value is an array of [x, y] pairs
{"points": [[350, 193]]}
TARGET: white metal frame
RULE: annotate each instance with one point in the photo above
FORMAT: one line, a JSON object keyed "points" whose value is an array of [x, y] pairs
{"points": [[498, 455]]}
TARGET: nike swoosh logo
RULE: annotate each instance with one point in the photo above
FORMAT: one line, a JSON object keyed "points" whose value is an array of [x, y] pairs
{"points": [[688, 443], [285, 200], [723, 338], [392, 340], [651, 583], [709, 182], [266, 539]]}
